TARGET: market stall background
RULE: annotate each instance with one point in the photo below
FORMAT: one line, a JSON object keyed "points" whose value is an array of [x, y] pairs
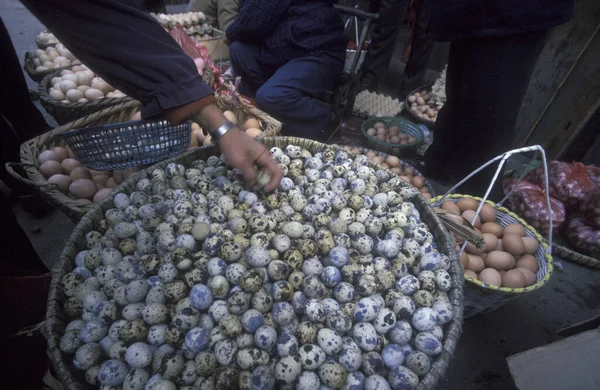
{"points": [[487, 340]]}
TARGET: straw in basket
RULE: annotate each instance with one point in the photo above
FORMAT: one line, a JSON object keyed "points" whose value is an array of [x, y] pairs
{"points": [[481, 297], [56, 318]]}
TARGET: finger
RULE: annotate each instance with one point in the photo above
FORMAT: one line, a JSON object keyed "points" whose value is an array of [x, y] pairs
{"points": [[265, 161], [249, 171]]}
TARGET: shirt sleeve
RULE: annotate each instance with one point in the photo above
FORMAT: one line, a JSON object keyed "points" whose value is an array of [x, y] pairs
{"points": [[256, 20], [126, 46]]}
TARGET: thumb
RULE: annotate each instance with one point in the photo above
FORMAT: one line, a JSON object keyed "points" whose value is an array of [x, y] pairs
{"points": [[249, 171]]}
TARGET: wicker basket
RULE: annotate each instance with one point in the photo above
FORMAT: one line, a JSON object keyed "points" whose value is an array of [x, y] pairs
{"points": [[393, 149], [427, 122], [67, 112], [270, 126], [75, 209], [36, 76], [56, 320], [481, 297]]}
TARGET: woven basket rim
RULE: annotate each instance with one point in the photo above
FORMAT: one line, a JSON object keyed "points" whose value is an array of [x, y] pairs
{"points": [[538, 237], [54, 320]]}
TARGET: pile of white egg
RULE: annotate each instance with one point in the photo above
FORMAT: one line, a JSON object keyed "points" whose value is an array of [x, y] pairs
{"points": [[80, 85], [53, 57], [193, 281]]}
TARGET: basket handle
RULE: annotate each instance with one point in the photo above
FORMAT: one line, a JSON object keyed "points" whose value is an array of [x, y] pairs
{"points": [[11, 171], [503, 157]]}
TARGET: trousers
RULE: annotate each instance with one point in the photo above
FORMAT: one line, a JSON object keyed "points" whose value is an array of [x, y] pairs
{"points": [[486, 81], [289, 92]]}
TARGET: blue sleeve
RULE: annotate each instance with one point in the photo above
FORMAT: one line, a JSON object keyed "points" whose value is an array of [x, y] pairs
{"points": [[256, 20]]}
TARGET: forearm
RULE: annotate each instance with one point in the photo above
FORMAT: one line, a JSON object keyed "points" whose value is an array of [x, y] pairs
{"points": [[126, 47]]}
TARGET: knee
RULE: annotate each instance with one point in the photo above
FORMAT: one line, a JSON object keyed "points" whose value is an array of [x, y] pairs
{"points": [[235, 50], [276, 99]]}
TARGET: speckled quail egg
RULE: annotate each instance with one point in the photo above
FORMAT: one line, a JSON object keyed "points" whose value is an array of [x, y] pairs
{"points": [[424, 318], [311, 356], [365, 336]]}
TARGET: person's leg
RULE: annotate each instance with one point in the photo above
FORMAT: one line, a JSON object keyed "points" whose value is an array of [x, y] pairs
{"points": [[486, 82], [244, 60], [289, 94], [381, 48], [420, 54]]}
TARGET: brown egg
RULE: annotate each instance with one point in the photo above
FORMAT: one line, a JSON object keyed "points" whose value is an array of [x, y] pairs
{"points": [[417, 181], [99, 173], [392, 161], [47, 155], [493, 228], [252, 123], [451, 206], [62, 182], [83, 188], [100, 179], [530, 277], [380, 137], [80, 173], [69, 164], [513, 244], [118, 176], [464, 260], [379, 125], [472, 249], [529, 262], [491, 242], [423, 189], [393, 131], [499, 260], [405, 178], [253, 132], [531, 245], [101, 194], [470, 274], [515, 228], [501, 272], [467, 204], [50, 168], [397, 171], [385, 165], [62, 152], [110, 183], [395, 140], [488, 213], [378, 159], [469, 215], [490, 276], [426, 195], [476, 263], [411, 139], [513, 279], [372, 132]]}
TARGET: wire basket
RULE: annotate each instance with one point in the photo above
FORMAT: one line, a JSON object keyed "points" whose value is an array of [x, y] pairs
{"points": [[481, 297], [394, 149], [127, 144]]}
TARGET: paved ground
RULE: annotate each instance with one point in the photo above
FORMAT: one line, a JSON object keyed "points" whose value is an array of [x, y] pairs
{"points": [[529, 321]]}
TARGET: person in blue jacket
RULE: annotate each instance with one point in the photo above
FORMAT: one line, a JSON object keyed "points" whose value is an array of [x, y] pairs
{"points": [[494, 48], [288, 52]]}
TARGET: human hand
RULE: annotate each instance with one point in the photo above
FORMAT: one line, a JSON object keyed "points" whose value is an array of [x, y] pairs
{"points": [[245, 153]]}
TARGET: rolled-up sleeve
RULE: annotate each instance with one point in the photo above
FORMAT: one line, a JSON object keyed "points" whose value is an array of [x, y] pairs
{"points": [[125, 45]]}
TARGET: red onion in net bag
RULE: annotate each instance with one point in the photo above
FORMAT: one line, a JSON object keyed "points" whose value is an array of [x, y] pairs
{"points": [[589, 208], [585, 238], [529, 202], [569, 183]]}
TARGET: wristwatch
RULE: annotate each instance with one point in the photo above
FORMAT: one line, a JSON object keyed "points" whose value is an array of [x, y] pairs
{"points": [[223, 129]]}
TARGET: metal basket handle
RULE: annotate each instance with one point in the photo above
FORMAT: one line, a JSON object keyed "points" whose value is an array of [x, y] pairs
{"points": [[503, 157]]}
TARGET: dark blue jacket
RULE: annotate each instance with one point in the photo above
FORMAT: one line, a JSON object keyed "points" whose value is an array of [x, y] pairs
{"points": [[288, 29], [457, 19]]}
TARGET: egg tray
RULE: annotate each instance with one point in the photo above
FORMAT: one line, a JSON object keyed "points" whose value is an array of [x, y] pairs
{"points": [[403, 164], [56, 319], [370, 104], [429, 123], [67, 112], [395, 150], [481, 297]]}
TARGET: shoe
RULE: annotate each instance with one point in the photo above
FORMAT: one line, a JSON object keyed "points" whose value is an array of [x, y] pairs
{"points": [[330, 130]]}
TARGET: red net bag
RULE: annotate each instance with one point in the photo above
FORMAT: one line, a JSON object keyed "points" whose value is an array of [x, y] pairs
{"points": [[589, 208], [585, 238], [569, 183], [529, 202], [594, 173]]}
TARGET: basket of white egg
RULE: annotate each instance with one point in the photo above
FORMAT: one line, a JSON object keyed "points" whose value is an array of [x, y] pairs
{"points": [[73, 93], [48, 59], [185, 278]]}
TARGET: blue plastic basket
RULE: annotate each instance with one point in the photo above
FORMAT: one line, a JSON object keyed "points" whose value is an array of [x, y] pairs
{"points": [[127, 144]]}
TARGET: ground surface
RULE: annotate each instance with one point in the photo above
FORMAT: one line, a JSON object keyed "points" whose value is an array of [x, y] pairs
{"points": [[571, 296]]}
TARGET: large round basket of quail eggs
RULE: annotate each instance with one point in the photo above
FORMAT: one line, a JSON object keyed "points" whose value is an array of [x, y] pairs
{"points": [[185, 278]]}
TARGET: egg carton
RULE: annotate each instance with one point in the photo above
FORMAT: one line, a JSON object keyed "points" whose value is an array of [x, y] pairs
{"points": [[188, 19], [438, 90], [370, 104]]}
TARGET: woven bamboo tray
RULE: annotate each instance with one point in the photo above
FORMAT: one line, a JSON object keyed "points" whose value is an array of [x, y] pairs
{"points": [[36, 76], [56, 319], [75, 209], [481, 297], [67, 112]]}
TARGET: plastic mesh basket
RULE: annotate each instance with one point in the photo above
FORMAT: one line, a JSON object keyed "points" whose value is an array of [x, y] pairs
{"points": [[127, 144]]}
